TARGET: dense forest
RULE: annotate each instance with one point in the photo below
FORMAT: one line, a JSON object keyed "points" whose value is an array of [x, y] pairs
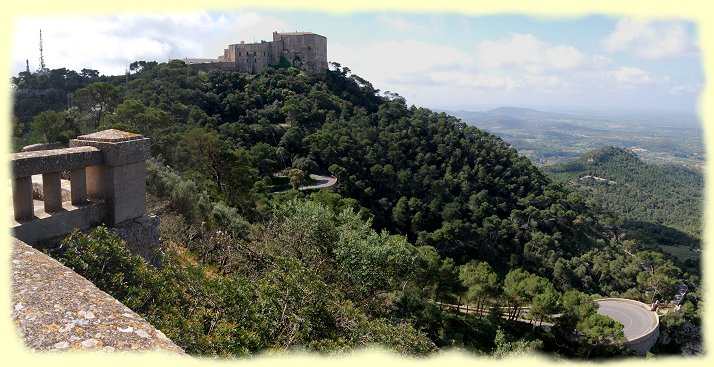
{"points": [[662, 194], [656, 205], [427, 211]]}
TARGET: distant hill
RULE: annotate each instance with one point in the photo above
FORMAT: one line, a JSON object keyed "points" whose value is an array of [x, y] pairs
{"points": [[645, 195]]}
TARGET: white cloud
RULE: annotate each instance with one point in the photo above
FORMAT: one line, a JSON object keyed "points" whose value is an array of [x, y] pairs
{"points": [[601, 60], [108, 43], [529, 53], [636, 76], [397, 23], [545, 82], [473, 80], [684, 89], [398, 60], [650, 39]]}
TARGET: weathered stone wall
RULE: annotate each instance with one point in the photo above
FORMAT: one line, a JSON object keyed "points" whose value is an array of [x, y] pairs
{"points": [[46, 228], [252, 57], [54, 308], [44, 146], [302, 49], [643, 345]]}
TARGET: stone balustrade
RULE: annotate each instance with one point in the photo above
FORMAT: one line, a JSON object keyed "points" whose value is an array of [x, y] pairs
{"points": [[55, 308], [107, 174]]}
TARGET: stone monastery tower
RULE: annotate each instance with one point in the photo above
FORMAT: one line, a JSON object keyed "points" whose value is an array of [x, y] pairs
{"points": [[304, 50]]}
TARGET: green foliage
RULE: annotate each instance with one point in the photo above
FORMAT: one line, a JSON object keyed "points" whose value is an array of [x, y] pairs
{"points": [[600, 332], [375, 263], [659, 276], [331, 271], [297, 177], [53, 126], [422, 174], [103, 258], [263, 157], [141, 119], [98, 99], [639, 192], [521, 287], [576, 306], [337, 203], [283, 63], [481, 283], [545, 303], [680, 332], [507, 346], [286, 306]]}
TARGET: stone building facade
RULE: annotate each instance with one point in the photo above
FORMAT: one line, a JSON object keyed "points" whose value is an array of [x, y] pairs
{"points": [[304, 50]]}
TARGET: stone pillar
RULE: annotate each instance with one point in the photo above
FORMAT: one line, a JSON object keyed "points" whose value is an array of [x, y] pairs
{"points": [[52, 191], [22, 202], [78, 186], [121, 180]]}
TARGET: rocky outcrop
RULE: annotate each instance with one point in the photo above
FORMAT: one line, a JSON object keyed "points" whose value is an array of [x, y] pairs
{"points": [[141, 236]]}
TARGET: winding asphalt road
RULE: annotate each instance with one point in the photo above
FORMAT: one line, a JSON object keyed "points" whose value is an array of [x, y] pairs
{"points": [[637, 320], [321, 182]]}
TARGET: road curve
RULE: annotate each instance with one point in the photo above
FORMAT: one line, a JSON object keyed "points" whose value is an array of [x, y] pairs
{"points": [[637, 319], [321, 182]]}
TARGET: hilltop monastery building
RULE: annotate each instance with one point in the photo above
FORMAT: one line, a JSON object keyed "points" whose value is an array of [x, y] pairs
{"points": [[304, 50]]}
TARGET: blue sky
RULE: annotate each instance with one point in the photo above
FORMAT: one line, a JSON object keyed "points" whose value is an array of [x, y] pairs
{"points": [[443, 61]]}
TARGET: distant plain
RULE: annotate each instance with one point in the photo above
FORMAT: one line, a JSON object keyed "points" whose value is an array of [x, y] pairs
{"points": [[553, 137]]}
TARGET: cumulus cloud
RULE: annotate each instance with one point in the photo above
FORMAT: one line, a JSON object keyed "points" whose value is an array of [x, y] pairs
{"points": [[529, 53], [395, 60], [635, 76], [108, 43], [649, 39]]}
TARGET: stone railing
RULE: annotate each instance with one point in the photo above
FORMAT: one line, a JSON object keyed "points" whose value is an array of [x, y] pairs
{"points": [[107, 175], [53, 307]]}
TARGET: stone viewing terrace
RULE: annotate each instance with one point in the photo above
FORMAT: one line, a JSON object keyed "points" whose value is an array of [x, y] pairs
{"points": [[53, 307], [107, 176]]}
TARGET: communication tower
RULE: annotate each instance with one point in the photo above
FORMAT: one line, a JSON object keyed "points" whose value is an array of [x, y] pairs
{"points": [[43, 68]]}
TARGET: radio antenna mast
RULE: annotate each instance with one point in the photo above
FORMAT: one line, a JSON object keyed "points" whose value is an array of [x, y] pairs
{"points": [[43, 67]]}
